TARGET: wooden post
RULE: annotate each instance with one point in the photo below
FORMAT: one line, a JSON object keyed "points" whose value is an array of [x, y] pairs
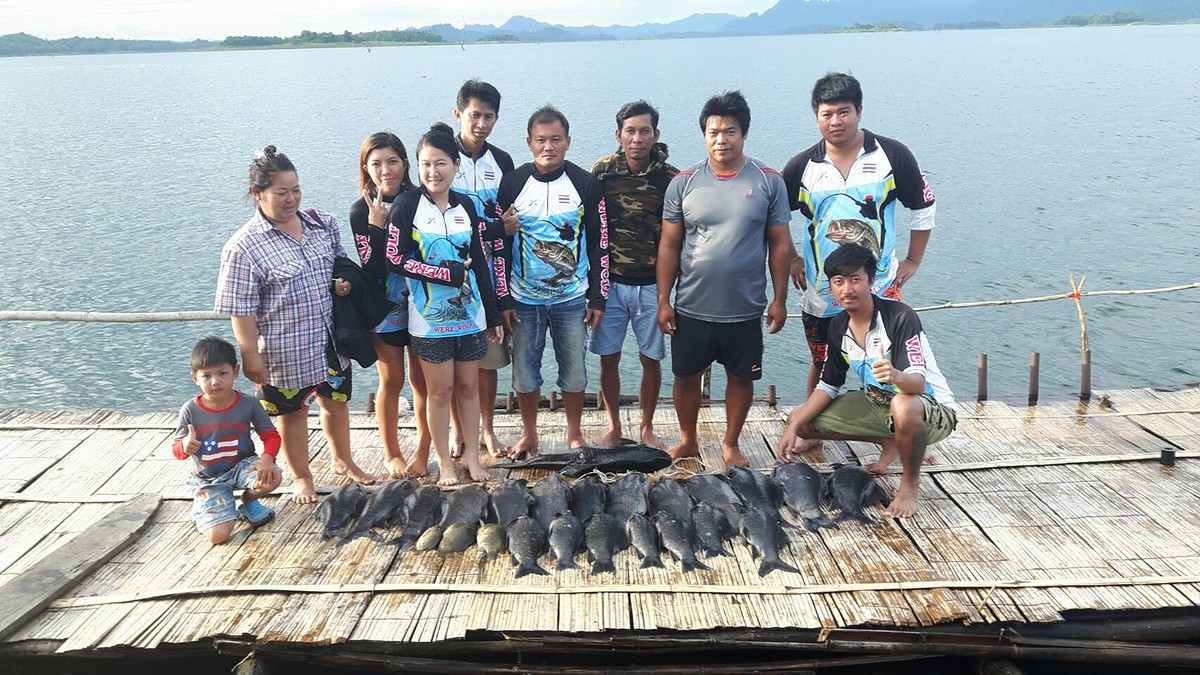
{"points": [[1034, 363], [509, 404], [1085, 375], [981, 370], [553, 399], [370, 403], [600, 400], [706, 383], [771, 395]]}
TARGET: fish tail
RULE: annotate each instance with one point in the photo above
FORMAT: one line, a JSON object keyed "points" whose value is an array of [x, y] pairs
{"points": [[769, 566], [690, 565], [566, 564], [530, 568], [601, 566], [814, 524], [649, 562]]}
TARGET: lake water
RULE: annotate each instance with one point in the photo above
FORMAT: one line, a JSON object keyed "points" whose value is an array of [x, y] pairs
{"points": [[1050, 151]]}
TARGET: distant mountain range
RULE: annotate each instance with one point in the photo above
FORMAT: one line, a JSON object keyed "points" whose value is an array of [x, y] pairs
{"points": [[785, 17]]}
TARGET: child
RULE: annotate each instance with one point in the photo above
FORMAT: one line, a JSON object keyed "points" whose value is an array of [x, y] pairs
{"points": [[214, 430]]}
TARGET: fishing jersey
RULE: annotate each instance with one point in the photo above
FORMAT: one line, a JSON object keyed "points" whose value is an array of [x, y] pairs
{"points": [[859, 208], [561, 251], [370, 243], [430, 248], [224, 435], [895, 333], [634, 205], [479, 179]]}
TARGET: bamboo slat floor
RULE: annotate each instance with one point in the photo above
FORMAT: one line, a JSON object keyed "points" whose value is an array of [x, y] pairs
{"points": [[1076, 516]]}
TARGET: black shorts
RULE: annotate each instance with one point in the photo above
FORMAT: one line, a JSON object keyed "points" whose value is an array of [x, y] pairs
{"points": [[463, 348], [395, 338], [737, 346]]}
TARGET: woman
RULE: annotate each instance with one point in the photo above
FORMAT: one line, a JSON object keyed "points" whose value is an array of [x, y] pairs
{"points": [[382, 176], [275, 282], [433, 239]]}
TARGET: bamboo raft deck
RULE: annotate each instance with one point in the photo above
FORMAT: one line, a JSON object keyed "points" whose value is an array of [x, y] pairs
{"points": [[1038, 527]]}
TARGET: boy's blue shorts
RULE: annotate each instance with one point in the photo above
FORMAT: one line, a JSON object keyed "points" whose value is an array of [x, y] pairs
{"points": [[214, 503]]}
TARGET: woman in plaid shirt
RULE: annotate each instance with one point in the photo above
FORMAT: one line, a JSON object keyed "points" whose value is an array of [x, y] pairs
{"points": [[275, 282]]}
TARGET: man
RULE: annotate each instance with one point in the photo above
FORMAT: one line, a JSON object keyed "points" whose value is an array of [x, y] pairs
{"points": [[483, 165], [722, 220], [634, 180], [557, 266], [905, 403], [846, 187]]}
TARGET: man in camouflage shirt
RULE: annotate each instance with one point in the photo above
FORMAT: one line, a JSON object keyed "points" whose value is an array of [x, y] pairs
{"points": [[634, 180]]}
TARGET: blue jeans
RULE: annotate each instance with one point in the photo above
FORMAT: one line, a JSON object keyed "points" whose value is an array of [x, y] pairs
{"points": [[567, 332]]}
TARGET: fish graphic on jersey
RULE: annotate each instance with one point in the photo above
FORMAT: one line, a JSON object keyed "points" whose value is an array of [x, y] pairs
{"points": [[557, 256], [850, 231]]}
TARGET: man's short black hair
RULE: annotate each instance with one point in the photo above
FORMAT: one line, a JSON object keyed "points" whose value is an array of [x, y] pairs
{"points": [[727, 104], [850, 258], [211, 352], [836, 88], [482, 91], [547, 114], [638, 107]]}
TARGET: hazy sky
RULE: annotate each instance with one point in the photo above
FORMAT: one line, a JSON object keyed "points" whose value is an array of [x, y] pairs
{"points": [[217, 19]]}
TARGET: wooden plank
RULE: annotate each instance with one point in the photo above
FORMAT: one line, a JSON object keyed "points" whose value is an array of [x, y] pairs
{"points": [[34, 589]]}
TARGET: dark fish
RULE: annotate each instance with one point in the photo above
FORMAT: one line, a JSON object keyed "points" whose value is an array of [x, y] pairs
{"points": [[600, 535], [707, 488], [467, 505], [644, 536], [627, 496], [424, 510], [429, 539], [491, 540], [711, 529], [579, 461], [566, 534], [800, 487], [761, 530], [676, 536], [339, 508], [457, 538], [551, 496], [385, 506], [671, 496], [588, 497], [526, 542], [510, 500], [755, 488], [852, 489]]}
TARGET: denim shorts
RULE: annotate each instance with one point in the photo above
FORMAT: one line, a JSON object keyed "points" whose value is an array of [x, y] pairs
{"points": [[630, 304], [214, 502], [569, 336], [469, 347]]}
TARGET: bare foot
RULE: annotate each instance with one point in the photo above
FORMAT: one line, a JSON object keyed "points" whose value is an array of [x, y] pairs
{"points": [[904, 505], [612, 438], [576, 441], [418, 466], [396, 467], [456, 444], [526, 445], [351, 469], [807, 445], [685, 449], [303, 491], [491, 443], [888, 456], [733, 456], [447, 474], [649, 438], [478, 473]]}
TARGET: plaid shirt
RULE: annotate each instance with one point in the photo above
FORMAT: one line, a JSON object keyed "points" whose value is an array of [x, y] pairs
{"points": [[286, 285]]}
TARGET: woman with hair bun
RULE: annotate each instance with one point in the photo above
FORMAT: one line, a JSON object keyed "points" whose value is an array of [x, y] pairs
{"points": [[276, 281], [433, 239], [382, 176]]}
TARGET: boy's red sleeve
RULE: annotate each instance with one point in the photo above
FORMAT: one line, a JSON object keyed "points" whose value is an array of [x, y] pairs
{"points": [[270, 440], [177, 449]]}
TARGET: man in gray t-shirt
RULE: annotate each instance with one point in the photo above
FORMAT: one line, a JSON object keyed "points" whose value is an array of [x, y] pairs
{"points": [[722, 220]]}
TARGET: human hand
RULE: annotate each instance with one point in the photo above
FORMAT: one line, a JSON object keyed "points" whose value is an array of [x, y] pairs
{"points": [[341, 287], [495, 334], [906, 270], [509, 317], [253, 367], [377, 210], [666, 318], [266, 473], [592, 318], [788, 442], [796, 271], [882, 369], [511, 221], [776, 317], [191, 443]]}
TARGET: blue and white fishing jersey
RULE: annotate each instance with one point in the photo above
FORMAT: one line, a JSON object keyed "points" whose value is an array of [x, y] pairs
{"points": [[479, 179], [896, 335], [858, 208], [561, 251], [431, 249]]}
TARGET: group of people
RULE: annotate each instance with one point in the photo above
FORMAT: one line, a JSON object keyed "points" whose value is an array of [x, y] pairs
{"points": [[479, 259]]}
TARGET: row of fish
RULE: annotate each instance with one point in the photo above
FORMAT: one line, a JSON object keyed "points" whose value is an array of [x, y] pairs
{"points": [[687, 519]]}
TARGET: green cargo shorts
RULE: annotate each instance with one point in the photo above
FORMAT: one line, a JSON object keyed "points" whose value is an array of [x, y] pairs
{"points": [[853, 414]]}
